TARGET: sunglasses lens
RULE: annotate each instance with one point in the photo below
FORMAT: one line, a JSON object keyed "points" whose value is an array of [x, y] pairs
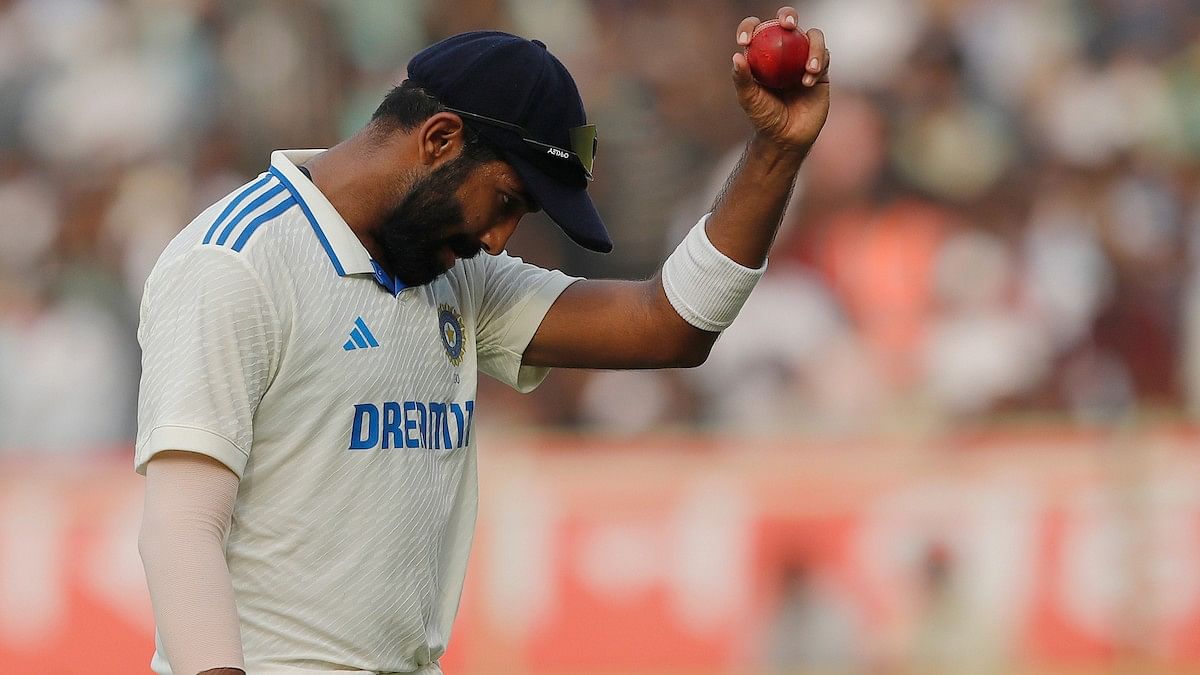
{"points": [[584, 143]]}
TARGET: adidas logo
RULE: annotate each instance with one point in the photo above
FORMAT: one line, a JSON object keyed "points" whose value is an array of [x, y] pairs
{"points": [[360, 337]]}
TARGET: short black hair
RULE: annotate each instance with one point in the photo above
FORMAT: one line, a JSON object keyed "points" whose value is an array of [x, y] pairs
{"points": [[406, 106], [409, 104]]}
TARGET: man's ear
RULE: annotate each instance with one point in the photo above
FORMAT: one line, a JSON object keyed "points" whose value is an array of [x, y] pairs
{"points": [[440, 139]]}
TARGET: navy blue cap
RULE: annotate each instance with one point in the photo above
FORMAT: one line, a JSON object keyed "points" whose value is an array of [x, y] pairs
{"points": [[520, 82]]}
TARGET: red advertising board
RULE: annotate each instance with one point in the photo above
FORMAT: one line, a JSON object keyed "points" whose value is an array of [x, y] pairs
{"points": [[1040, 551]]}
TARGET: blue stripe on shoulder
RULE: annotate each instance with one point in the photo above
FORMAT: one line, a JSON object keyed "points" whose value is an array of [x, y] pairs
{"points": [[312, 220], [233, 204], [254, 224], [252, 206]]}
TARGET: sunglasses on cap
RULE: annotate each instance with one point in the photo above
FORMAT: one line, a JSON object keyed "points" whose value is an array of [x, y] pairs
{"points": [[583, 141]]}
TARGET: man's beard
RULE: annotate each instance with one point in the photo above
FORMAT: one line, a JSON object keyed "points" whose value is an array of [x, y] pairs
{"points": [[413, 236]]}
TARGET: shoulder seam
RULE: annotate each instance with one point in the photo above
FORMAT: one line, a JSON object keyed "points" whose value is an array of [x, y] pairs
{"points": [[270, 301], [259, 282], [244, 262]]}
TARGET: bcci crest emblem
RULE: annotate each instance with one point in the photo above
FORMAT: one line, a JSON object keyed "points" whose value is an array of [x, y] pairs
{"points": [[450, 325]]}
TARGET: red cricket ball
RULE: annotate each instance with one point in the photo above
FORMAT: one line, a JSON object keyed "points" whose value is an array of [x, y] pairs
{"points": [[777, 55]]}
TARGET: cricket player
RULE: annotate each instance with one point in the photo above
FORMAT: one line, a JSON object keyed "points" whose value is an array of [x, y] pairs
{"points": [[311, 345]]}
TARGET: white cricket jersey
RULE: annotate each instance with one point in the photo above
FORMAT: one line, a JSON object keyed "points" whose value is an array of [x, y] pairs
{"points": [[273, 343]]}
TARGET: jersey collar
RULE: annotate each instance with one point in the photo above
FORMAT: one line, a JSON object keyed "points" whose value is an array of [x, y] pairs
{"points": [[345, 251]]}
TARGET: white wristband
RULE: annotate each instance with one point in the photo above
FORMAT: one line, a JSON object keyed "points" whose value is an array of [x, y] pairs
{"points": [[704, 286]]}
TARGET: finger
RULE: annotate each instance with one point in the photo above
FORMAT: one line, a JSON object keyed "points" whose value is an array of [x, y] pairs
{"points": [[745, 29], [818, 55], [788, 17], [741, 71]]}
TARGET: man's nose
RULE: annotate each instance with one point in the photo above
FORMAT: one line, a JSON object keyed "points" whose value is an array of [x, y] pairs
{"points": [[496, 237]]}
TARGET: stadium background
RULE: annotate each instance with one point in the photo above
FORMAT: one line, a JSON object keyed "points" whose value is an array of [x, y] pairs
{"points": [[952, 432]]}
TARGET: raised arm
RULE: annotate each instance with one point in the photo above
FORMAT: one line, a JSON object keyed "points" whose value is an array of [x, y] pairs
{"points": [[633, 324]]}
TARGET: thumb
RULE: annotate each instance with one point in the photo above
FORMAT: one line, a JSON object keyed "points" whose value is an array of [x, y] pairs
{"points": [[741, 71], [751, 95]]}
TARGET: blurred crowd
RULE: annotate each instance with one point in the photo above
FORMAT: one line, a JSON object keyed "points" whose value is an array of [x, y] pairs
{"points": [[1000, 219]]}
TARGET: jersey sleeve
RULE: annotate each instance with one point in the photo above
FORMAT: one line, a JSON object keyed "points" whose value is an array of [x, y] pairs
{"points": [[515, 296], [210, 335]]}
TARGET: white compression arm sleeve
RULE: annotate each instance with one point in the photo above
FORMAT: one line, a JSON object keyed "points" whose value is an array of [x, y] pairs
{"points": [[705, 286], [189, 504]]}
